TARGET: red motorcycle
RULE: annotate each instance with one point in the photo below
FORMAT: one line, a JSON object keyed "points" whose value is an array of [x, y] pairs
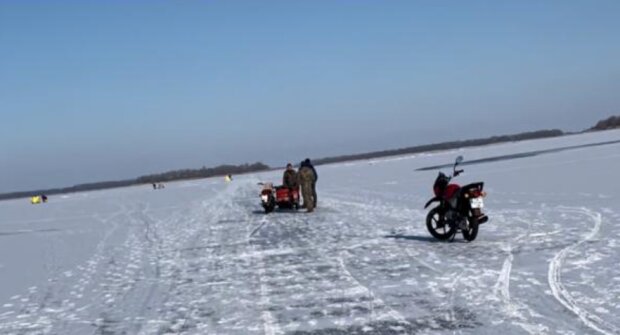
{"points": [[279, 196], [458, 208]]}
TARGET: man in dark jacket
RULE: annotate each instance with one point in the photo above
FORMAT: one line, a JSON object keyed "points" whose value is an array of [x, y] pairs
{"points": [[307, 163]]}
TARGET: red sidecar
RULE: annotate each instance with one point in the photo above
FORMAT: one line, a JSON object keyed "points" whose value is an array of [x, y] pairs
{"points": [[287, 197], [279, 196]]}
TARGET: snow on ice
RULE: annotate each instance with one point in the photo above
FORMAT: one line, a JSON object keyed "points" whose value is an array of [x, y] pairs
{"points": [[201, 258]]}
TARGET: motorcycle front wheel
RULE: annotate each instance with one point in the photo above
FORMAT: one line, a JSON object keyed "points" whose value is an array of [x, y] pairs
{"points": [[471, 232], [269, 208], [270, 205], [437, 225]]}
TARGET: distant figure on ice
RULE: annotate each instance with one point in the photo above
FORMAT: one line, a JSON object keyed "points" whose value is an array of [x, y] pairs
{"points": [[228, 178], [307, 180], [38, 199]]}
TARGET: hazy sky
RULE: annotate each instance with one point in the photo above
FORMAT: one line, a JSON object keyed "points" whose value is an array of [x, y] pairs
{"points": [[99, 90]]}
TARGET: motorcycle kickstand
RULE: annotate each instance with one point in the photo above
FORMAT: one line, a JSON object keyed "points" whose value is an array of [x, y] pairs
{"points": [[453, 236]]}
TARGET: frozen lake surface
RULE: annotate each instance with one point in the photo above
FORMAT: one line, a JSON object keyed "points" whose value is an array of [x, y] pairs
{"points": [[199, 257]]}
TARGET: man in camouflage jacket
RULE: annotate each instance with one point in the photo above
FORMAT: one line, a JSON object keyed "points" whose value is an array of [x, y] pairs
{"points": [[307, 180]]}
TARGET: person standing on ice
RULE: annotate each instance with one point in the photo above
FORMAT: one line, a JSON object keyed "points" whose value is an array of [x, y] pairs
{"points": [[307, 163], [307, 180], [289, 180]]}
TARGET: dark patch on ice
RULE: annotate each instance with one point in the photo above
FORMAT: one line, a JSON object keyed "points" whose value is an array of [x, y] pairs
{"points": [[340, 300], [463, 320], [422, 238], [338, 313], [518, 155], [551, 246], [229, 221], [30, 231], [108, 326], [281, 211], [412, 237], [323, 268], [213, 246], [306, 305], [361, 309]]}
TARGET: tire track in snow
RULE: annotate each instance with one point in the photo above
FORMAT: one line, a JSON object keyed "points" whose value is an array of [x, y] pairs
{"points": [[502, 287], [190, 281], [453, 293], [44, 314], [270, 325], [512, 309], [377, 309], [406, 214], [561, 294], [373, 298], [257, 229]]}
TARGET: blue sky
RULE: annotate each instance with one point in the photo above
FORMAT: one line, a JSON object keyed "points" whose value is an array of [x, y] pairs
{"points": [[100, 90]]}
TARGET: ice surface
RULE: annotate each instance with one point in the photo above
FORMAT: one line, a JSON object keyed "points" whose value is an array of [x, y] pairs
{"points": [[199, 257]]}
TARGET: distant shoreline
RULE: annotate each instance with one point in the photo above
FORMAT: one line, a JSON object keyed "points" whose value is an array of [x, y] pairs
{"points": [[220, 171], [526, 154]]}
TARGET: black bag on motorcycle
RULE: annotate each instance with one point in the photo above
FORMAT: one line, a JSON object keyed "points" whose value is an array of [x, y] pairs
{"points": [[439, 187]]}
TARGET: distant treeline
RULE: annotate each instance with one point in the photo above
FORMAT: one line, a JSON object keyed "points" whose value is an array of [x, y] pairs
{"points": [[205, 172], [155, 178], [76, 188], [443, 146], [610, 123]]}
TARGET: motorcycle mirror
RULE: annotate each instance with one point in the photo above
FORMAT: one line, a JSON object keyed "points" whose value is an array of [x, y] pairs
{"points": [[458, 160]]}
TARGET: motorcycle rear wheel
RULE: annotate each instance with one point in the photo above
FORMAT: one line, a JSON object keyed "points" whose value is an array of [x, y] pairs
{"points": [[471, 232], [437, 225]]}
